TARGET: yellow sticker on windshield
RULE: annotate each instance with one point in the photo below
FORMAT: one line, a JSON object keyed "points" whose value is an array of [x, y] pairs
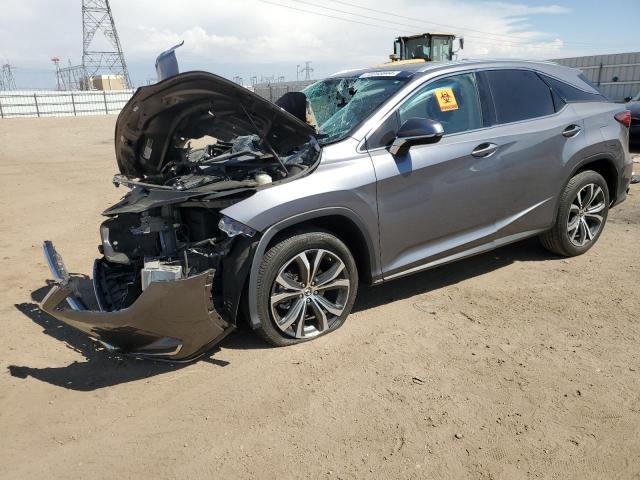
{"points": [[446, 99]]}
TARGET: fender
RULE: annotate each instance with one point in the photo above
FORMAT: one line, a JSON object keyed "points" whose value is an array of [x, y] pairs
{"points": [[267, 236]]}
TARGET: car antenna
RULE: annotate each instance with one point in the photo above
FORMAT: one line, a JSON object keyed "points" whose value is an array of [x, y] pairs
{"points": [[266, 142]]}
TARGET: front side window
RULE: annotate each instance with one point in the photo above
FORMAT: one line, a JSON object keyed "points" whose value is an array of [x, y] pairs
{"points": [[452, 101], [519, 95]]}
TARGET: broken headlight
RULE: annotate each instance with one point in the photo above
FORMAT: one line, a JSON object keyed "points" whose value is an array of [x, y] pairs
{"points": [[233, 228]]}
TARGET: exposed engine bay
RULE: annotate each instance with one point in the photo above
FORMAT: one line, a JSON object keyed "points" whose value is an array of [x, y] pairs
{"points": [[165, 243], [224, 165]]}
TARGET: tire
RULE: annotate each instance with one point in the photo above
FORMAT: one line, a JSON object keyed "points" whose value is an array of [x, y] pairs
{"points": [[576, 228], [285, 296]]}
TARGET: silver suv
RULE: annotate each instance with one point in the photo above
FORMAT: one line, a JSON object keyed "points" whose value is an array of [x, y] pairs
{"points": [[239, 207]]}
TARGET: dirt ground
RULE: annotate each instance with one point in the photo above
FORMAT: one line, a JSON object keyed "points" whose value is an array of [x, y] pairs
{"points": [[513, 364]]}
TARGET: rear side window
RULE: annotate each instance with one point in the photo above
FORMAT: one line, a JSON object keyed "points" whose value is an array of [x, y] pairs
{"points": [[519, 95], [570, 93], [592, 85]]}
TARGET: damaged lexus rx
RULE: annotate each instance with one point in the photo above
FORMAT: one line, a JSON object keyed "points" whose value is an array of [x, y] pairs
{"points": [[281, 209]]}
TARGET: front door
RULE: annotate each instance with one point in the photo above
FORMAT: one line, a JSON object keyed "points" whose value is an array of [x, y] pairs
{"points": [[437, 200]]}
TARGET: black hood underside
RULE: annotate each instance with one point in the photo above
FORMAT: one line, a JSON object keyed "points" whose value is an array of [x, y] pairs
{"points": [[161, 118]]}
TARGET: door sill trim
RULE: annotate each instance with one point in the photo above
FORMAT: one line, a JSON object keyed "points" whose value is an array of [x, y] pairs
{"points": [[485, 247]]}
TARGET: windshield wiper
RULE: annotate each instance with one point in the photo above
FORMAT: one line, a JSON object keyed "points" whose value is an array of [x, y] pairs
{"points": [[227, 156]]}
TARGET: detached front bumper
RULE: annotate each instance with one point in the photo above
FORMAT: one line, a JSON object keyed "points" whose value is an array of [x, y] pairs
{"points": [[172, 320]]}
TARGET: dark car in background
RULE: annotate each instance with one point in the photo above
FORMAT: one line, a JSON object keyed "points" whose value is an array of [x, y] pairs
{"points": [[634, 131]]}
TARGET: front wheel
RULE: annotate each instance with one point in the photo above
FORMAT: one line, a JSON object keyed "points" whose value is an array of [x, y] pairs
{"points": [[582, 214], [306, 287]]}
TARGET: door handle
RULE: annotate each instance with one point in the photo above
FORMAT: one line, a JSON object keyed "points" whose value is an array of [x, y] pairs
{"points": [[571, 131], [484, 150]]}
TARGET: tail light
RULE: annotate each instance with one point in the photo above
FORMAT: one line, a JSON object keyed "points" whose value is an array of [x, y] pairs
{"points": [[624, 118]]}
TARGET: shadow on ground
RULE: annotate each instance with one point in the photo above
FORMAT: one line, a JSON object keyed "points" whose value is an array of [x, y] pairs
{"points": [[450, 274], [104, 369], [100, 368]]}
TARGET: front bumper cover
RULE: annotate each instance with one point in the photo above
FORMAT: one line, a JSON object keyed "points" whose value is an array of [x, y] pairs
{"points": [[173, 320]]}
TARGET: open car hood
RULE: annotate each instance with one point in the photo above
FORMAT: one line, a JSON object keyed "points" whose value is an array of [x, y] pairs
{"points": [[191, 105]]}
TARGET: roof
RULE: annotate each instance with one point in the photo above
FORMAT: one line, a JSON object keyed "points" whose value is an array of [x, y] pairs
{"points": [[424, 67], [414, 70]]}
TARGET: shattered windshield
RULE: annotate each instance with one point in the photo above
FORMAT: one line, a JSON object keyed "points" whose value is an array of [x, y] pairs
{"points": [[340, 104]]}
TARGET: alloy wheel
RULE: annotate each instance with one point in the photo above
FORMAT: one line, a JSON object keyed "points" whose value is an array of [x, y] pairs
{"points": [[309, 294], [585, 215]]}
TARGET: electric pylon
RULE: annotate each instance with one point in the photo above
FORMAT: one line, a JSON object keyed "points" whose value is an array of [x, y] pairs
{"points": [[97, 17]]}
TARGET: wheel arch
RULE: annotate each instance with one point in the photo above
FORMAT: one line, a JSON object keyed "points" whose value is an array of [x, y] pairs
{"points": [[605, 166], [342, 222], [601, 163]]}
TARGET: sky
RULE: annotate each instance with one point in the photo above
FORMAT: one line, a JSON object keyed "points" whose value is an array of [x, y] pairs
{"points": [[271, 37]]}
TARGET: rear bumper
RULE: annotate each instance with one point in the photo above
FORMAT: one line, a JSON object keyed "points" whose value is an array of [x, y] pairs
{"points": [[173, 320], [625, 172]]}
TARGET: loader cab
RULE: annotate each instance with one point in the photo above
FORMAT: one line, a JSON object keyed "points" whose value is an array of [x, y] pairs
{"points": [[426, 47]]}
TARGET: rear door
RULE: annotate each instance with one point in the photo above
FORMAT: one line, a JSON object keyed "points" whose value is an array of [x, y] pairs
{"points": [[535, 133]]}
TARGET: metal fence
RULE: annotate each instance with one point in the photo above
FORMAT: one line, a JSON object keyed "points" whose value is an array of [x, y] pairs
{"points": [[617, 75], [273, 91], [61, 104], [44, 103]]}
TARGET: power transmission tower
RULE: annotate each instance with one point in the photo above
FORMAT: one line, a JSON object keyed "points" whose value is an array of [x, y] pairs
{"points": [[68, 78], [7, 80], [59, 77], [97, 17], [307, 70]]}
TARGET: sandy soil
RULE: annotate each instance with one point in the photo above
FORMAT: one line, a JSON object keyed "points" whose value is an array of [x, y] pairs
{"points": [[513, 364]]}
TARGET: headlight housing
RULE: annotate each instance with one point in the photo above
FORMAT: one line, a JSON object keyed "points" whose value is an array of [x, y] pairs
{"points": [[234, 228]]}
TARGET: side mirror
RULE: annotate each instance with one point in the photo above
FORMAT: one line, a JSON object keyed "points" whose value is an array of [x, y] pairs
{"points": [[416, 131], [627, 99]]}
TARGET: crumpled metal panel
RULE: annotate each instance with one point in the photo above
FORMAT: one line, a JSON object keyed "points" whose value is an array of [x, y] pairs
{"points": [[173, 320]]}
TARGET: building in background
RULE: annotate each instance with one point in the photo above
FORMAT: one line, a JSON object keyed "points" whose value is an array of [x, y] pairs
{"points": [[617, 75], [106, 82]]}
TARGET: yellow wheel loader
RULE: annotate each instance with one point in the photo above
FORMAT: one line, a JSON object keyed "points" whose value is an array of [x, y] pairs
{"points": [[425, 47]]}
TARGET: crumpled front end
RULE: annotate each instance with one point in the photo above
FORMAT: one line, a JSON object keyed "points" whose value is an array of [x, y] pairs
{"points": [[170, 320], [173, 266]]}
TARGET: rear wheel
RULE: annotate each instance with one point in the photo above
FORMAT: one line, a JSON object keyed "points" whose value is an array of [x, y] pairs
{"points": [[581, 216], [306, 287]]}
